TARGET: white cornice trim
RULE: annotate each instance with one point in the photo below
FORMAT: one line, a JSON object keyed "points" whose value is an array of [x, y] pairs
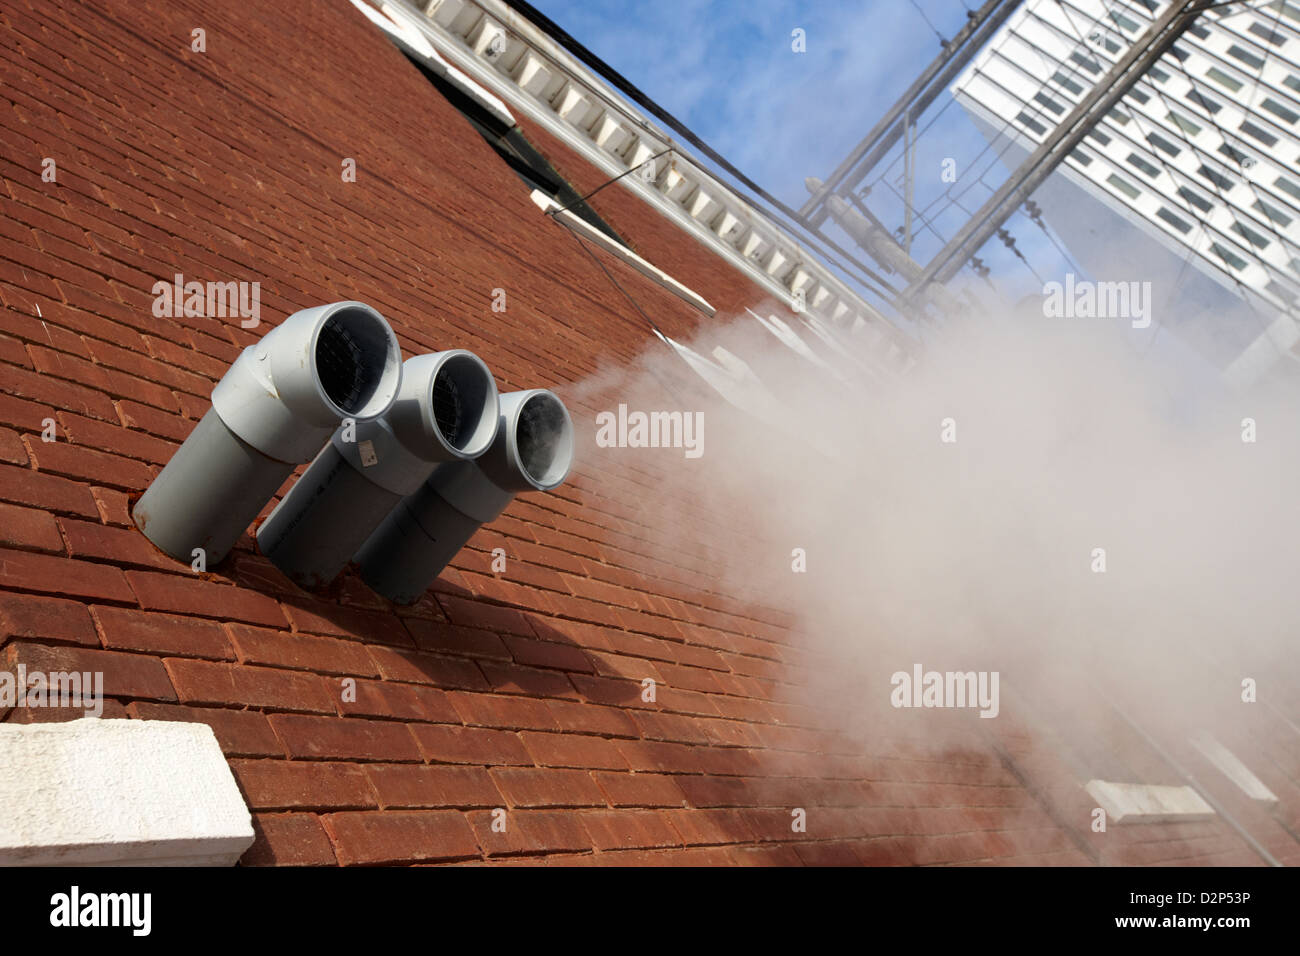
{"points": [[504, 53]]}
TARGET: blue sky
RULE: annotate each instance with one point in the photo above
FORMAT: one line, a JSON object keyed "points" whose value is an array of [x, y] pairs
{"points": [[727, 70]]}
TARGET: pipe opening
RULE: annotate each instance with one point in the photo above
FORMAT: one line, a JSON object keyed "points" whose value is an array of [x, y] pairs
{"points": [[464, 406], [352, 358], [544, 439]]}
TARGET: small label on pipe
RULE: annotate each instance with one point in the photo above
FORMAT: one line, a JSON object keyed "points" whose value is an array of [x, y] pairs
{"points": [[367, 451]]}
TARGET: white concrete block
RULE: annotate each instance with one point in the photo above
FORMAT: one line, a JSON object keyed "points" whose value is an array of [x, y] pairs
{"points": [[1148, 803], [118, 792], [1230, 765]]}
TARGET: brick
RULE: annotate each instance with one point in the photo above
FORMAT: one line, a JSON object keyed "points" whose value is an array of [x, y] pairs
{"points": [[712, 826], [149, 419], [400, 836], [115, 439], [305, 785], [241, 733], [398, 701], [411, 667], [45, 491], [347, 738], [22, 571], [323, 655], [443, 638], [127, 629], [46, 390], [29, 530], [23, 415], [87, 464], [125, 675], [573, 750], [480, 614], [672, 727], [185, 595], [592, 719], [216, 682], [12, 449], [494, 710], [475, 745], [662, 757], [529, 681], [827, 854], [47, 619], [532, 653], [408, 786], [530, 831], [113, 507], [610, 691], [338, 621], [532, 787], [629, 829], [127, 546], [640, 789], [288, 839]]}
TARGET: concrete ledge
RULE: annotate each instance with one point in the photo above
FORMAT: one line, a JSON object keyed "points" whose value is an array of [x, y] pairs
{"points": [[1149, 803], [118, 792], [1230, 765]]}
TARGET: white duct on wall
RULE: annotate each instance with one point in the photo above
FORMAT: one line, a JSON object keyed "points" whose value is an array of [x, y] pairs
{"points": [[447, 410], [270, 412], [533, 451]]}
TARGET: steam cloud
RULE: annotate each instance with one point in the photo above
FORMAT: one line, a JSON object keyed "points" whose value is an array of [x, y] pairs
{"points": [[978, 554]]}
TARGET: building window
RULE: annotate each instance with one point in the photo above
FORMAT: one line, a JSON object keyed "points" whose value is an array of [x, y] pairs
{"points": [[1280, 291], [1228, 256], [1124, 186], [1183, 123], [1250, 235], [1195, 199], [1162, 144], [1288, 187], [1157, 74], [1087, 63], [1068, 83], [1099, 136], [1138, 95], [1121, 118], [1272, 212], [1050, 103], [1138, 162], [1263, 135], [1245, 56], [1223, 79], [1204, 102], [1216, 177], [1083, 158], [1199, 31], [1027, 121], [1292, 82], [1173, 220], [1286, 9], [1278, 110], [1267, 35], [1124, 23], [1234, 154]]}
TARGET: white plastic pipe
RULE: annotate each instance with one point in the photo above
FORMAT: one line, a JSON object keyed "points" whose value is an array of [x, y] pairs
{"points": [[447, 410], [533, 451], [270, 412]]}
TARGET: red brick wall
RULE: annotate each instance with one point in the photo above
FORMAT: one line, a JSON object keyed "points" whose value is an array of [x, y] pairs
{"points": [[518, 691]]}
